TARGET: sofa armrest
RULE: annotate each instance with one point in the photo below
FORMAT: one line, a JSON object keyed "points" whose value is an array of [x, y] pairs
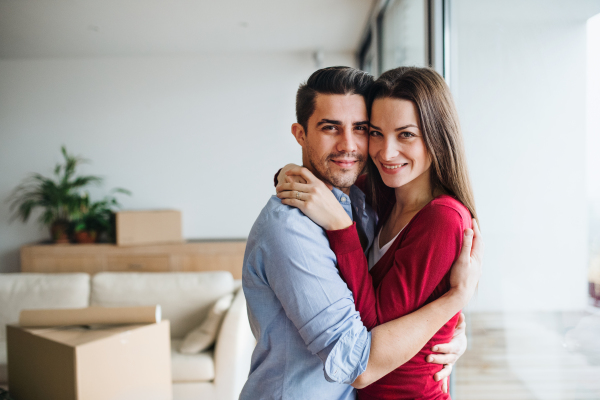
{"points": [[233, 350]]}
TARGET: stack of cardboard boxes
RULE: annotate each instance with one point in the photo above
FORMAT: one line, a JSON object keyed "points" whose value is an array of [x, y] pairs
{"points": [[104, 362]]}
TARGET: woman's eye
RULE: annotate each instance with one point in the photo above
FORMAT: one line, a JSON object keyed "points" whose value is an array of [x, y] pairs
{"points": [[374, 133], [407, 135]]}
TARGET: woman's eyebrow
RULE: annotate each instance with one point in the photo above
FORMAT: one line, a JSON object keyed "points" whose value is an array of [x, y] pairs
{"points": [[406, 126]]}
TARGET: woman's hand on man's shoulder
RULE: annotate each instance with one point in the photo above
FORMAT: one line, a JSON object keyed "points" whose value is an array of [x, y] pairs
{"points": [[466, 270]]}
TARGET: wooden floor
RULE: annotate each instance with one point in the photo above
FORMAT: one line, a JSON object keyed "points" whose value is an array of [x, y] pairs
{"points": [[524, 356]]}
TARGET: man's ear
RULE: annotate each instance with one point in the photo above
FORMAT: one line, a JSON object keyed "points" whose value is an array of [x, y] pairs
{"points": [[299, 134]]}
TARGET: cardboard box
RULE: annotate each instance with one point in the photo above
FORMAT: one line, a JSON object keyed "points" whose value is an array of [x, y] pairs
{"points": [[126, 362], [90, 316], [148, 227]]}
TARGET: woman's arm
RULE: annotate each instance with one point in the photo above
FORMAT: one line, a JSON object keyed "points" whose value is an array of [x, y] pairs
{"points": [[354, 269], [408, 334]]}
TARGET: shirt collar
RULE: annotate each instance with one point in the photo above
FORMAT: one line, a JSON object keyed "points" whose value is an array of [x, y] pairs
{"points": [[341, 196]]}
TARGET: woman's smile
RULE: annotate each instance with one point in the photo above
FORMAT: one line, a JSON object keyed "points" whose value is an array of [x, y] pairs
{"points": [[392, 168]]}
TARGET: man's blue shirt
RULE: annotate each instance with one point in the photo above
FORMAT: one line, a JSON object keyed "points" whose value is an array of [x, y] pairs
{"points": [[311, 343]]}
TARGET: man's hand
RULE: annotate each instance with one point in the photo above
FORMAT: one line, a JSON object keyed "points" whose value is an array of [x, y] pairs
{"points": [[449, 353]]}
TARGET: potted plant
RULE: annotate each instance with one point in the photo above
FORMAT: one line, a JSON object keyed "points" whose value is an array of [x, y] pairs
{"points": [[95, 218], [58, 197]]}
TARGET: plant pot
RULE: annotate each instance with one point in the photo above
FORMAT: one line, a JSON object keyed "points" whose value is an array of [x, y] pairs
{"points": [[59, 230], [86, 236]]}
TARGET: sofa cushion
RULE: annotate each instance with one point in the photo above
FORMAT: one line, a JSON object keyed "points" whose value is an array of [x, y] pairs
{"points": [[185, 297], [191, 367], [203, 336], [19, 291]]}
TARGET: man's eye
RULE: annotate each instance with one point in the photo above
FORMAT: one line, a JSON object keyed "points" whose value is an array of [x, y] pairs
{"points": [[361, 128], [328, 127]]}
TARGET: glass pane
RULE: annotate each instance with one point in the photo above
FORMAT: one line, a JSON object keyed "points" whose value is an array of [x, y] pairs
{"points": [[534, 326], [367, 62], [403, 31]]}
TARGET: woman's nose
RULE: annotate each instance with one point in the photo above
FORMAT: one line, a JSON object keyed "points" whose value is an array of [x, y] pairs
{"points": [[389, 150]]}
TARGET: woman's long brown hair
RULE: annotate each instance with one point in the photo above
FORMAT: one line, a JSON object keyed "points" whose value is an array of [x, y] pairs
{"points": [[441, 134]]}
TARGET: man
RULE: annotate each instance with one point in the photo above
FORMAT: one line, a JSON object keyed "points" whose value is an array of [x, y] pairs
{"points": [[311, 343]]}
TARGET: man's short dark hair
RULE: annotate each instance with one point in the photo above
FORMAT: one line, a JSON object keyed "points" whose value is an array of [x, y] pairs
{"points": [[332, 80]]}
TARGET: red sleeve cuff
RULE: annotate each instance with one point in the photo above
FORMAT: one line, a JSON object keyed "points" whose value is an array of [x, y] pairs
{"points": [[345, 240]]}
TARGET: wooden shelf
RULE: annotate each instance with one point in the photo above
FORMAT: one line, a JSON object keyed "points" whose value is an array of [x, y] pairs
{"points": [[197, 255]]}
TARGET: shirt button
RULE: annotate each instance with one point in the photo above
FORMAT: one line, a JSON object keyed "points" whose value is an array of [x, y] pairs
{"points": [[335, 371], [343, 199]]}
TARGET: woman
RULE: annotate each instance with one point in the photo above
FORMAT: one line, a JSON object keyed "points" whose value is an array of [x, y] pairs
{"points": [[418, 183]]}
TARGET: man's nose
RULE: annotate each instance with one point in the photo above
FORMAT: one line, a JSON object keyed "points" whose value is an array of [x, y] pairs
{"points": [[347, 141]]}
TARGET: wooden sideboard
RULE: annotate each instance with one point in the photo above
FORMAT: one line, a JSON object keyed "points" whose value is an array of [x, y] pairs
{"points": [[202, 255]]}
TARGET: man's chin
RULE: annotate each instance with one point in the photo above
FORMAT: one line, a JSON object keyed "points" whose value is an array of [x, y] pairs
{"points": [[334, 175], [343, 180]]}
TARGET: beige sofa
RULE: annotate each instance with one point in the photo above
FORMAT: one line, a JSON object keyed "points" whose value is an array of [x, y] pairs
{"points": [[185, 299]]}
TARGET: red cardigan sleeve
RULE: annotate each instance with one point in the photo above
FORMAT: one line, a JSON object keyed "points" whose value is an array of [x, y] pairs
{"points": [[354, 269], [415, 273]]}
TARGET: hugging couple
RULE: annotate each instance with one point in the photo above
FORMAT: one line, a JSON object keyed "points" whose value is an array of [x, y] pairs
{"points": [[357, 281]]}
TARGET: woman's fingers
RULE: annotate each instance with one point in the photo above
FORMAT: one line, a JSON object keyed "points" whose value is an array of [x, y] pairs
{"points": [[293, 186], [303, 172], [461, 323], [444, 373], [294, 194], [465, 252], [282, 173], [465, 272], [445, 385], [293, 202], [294, 178], [449, 358]]}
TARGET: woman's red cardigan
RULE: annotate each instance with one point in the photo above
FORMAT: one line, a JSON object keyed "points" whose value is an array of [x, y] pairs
{"points": [[413, 272]]}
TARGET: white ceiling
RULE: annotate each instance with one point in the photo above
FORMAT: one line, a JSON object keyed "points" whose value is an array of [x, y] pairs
{"points": [[89, 28]]}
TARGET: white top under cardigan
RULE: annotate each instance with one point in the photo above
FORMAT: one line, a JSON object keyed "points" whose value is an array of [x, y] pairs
{"points": [[376, 252]]}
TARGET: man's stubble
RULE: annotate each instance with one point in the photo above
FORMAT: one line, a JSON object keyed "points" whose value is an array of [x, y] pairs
{"points": [[342, 179]]}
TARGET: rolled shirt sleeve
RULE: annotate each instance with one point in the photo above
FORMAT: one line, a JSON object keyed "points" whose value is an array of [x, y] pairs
{"points": [[348, 359]]}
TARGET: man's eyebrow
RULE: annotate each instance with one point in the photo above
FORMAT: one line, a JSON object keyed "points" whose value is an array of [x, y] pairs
{"points": [[360, 123], [329, 121]]}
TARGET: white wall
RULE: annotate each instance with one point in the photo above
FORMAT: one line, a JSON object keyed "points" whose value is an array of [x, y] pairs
{"points": [[203, 134], [519, 77]]}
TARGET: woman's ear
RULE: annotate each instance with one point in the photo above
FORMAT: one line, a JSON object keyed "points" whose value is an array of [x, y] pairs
{"points": [[299, 134]]}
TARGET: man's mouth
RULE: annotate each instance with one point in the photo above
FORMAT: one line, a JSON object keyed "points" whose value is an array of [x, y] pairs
{"points": [[345, 163]]}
